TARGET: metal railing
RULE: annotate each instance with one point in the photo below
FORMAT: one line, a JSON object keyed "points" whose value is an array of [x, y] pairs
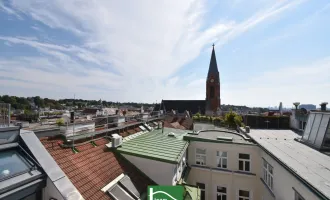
{"points": [[4, 114]]}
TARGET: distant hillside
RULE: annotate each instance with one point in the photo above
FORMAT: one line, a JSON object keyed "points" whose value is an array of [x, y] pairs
{"points": [[38, 102]]}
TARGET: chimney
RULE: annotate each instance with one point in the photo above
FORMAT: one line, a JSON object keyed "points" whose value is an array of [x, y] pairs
{"points": [[296, 104], [71, 117], [323, 106]]}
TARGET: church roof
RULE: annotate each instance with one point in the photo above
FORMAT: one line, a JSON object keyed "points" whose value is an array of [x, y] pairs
{"points": [[213, 68], [193, 106]]}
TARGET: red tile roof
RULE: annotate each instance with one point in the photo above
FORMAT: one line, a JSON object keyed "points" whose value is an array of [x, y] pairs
{"points": [[168, 124], [93, 167]]}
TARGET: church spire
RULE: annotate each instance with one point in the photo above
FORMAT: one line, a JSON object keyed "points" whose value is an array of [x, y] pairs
{"points": [[213, 68]]}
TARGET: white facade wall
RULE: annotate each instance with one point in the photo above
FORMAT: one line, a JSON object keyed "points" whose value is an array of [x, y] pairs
{"points": [[231, 179], [160, 172], [294, 123], [50, 191], [284, 182]]}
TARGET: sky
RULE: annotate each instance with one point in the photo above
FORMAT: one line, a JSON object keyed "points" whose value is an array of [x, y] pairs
{"points": [[268, 51]]}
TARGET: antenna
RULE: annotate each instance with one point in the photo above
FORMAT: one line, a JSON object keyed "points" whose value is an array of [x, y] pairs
{"points": [[73, 127]]}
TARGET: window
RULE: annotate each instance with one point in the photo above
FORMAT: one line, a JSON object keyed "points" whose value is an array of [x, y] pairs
{"points": [[243, 195], [297, 196], [244, 162], [222, 159], [268, 174], [201, 186], [211, 92], [221, 193], [200, 156], [11, 164]]}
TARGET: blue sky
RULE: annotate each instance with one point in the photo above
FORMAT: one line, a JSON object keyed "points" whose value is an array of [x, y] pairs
{"points": [[268, 51]]}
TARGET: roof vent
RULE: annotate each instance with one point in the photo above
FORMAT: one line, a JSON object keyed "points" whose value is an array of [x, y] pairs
{"points": [[324, 106], [116, 140], [171, 134]]}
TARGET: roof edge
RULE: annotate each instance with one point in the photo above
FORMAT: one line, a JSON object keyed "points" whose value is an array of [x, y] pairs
{"points": [[147, 157], [302, 180]]}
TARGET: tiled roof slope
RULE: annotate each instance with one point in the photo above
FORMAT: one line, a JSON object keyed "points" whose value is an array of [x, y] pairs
{"points": [[178, 123], [94, 167]]}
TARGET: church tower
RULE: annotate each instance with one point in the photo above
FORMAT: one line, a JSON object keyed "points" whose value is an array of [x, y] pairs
{"points": [[213, 86]]}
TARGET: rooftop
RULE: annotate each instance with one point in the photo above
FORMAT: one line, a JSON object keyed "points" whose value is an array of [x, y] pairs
{"points": [[309, 165], [153, 144], [218, 135], [94, 167]]}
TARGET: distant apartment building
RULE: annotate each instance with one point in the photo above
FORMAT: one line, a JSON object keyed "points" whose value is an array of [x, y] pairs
{"points": [[298, 119], [308, 107]]}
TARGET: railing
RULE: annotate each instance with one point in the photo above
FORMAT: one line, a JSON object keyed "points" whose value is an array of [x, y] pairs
{"points": [[4, 114]]}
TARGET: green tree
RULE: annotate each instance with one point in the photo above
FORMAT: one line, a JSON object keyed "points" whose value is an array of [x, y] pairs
{"points": [[232, 119], [39, 102], [238, 120], [60, 122]]}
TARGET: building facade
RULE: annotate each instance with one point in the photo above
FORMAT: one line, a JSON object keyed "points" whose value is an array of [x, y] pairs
{"points": [[261, 164], [225, 165]]}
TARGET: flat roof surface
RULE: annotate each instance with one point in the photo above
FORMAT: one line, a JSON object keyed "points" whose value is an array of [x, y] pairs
{"points": [[157, 145], [311, 165], [211, 133]]}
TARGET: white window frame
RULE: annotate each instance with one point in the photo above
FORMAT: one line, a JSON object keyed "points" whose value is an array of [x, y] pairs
{"points": [[201, 158], [245, 161], [268, 174], [222, 158], [244, 198], [202, 189], [220, 193]]}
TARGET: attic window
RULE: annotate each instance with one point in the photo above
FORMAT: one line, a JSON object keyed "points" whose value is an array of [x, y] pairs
{"points": [[122, 187]]}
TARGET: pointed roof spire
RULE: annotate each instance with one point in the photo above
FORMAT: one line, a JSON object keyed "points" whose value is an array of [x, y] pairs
{"points": [[213, 68]]}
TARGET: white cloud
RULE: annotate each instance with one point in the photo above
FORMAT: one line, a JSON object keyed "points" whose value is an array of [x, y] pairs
{"points": [[309, 83], [9, 10], [145, 41], [262, 15]]}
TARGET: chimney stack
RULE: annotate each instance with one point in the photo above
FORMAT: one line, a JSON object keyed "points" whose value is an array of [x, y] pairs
{"points": [[296, 104], [72, 117], [323, 106]]}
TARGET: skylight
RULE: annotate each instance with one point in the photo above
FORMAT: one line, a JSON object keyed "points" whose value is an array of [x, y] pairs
{"points": [[11, 164], [122, 187], [119, 193]]}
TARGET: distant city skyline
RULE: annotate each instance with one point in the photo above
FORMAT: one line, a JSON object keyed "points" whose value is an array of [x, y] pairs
{"points": [[267, 51]]}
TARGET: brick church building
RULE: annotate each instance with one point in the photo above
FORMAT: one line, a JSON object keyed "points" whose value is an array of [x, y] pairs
{"points": [[212, 102]]}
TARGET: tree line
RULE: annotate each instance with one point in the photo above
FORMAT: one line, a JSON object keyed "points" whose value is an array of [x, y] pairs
{"points": [[27, 103]]}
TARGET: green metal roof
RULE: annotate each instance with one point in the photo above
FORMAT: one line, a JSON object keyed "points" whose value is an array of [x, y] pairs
{"points": [[191, 193], [157, 145]]}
